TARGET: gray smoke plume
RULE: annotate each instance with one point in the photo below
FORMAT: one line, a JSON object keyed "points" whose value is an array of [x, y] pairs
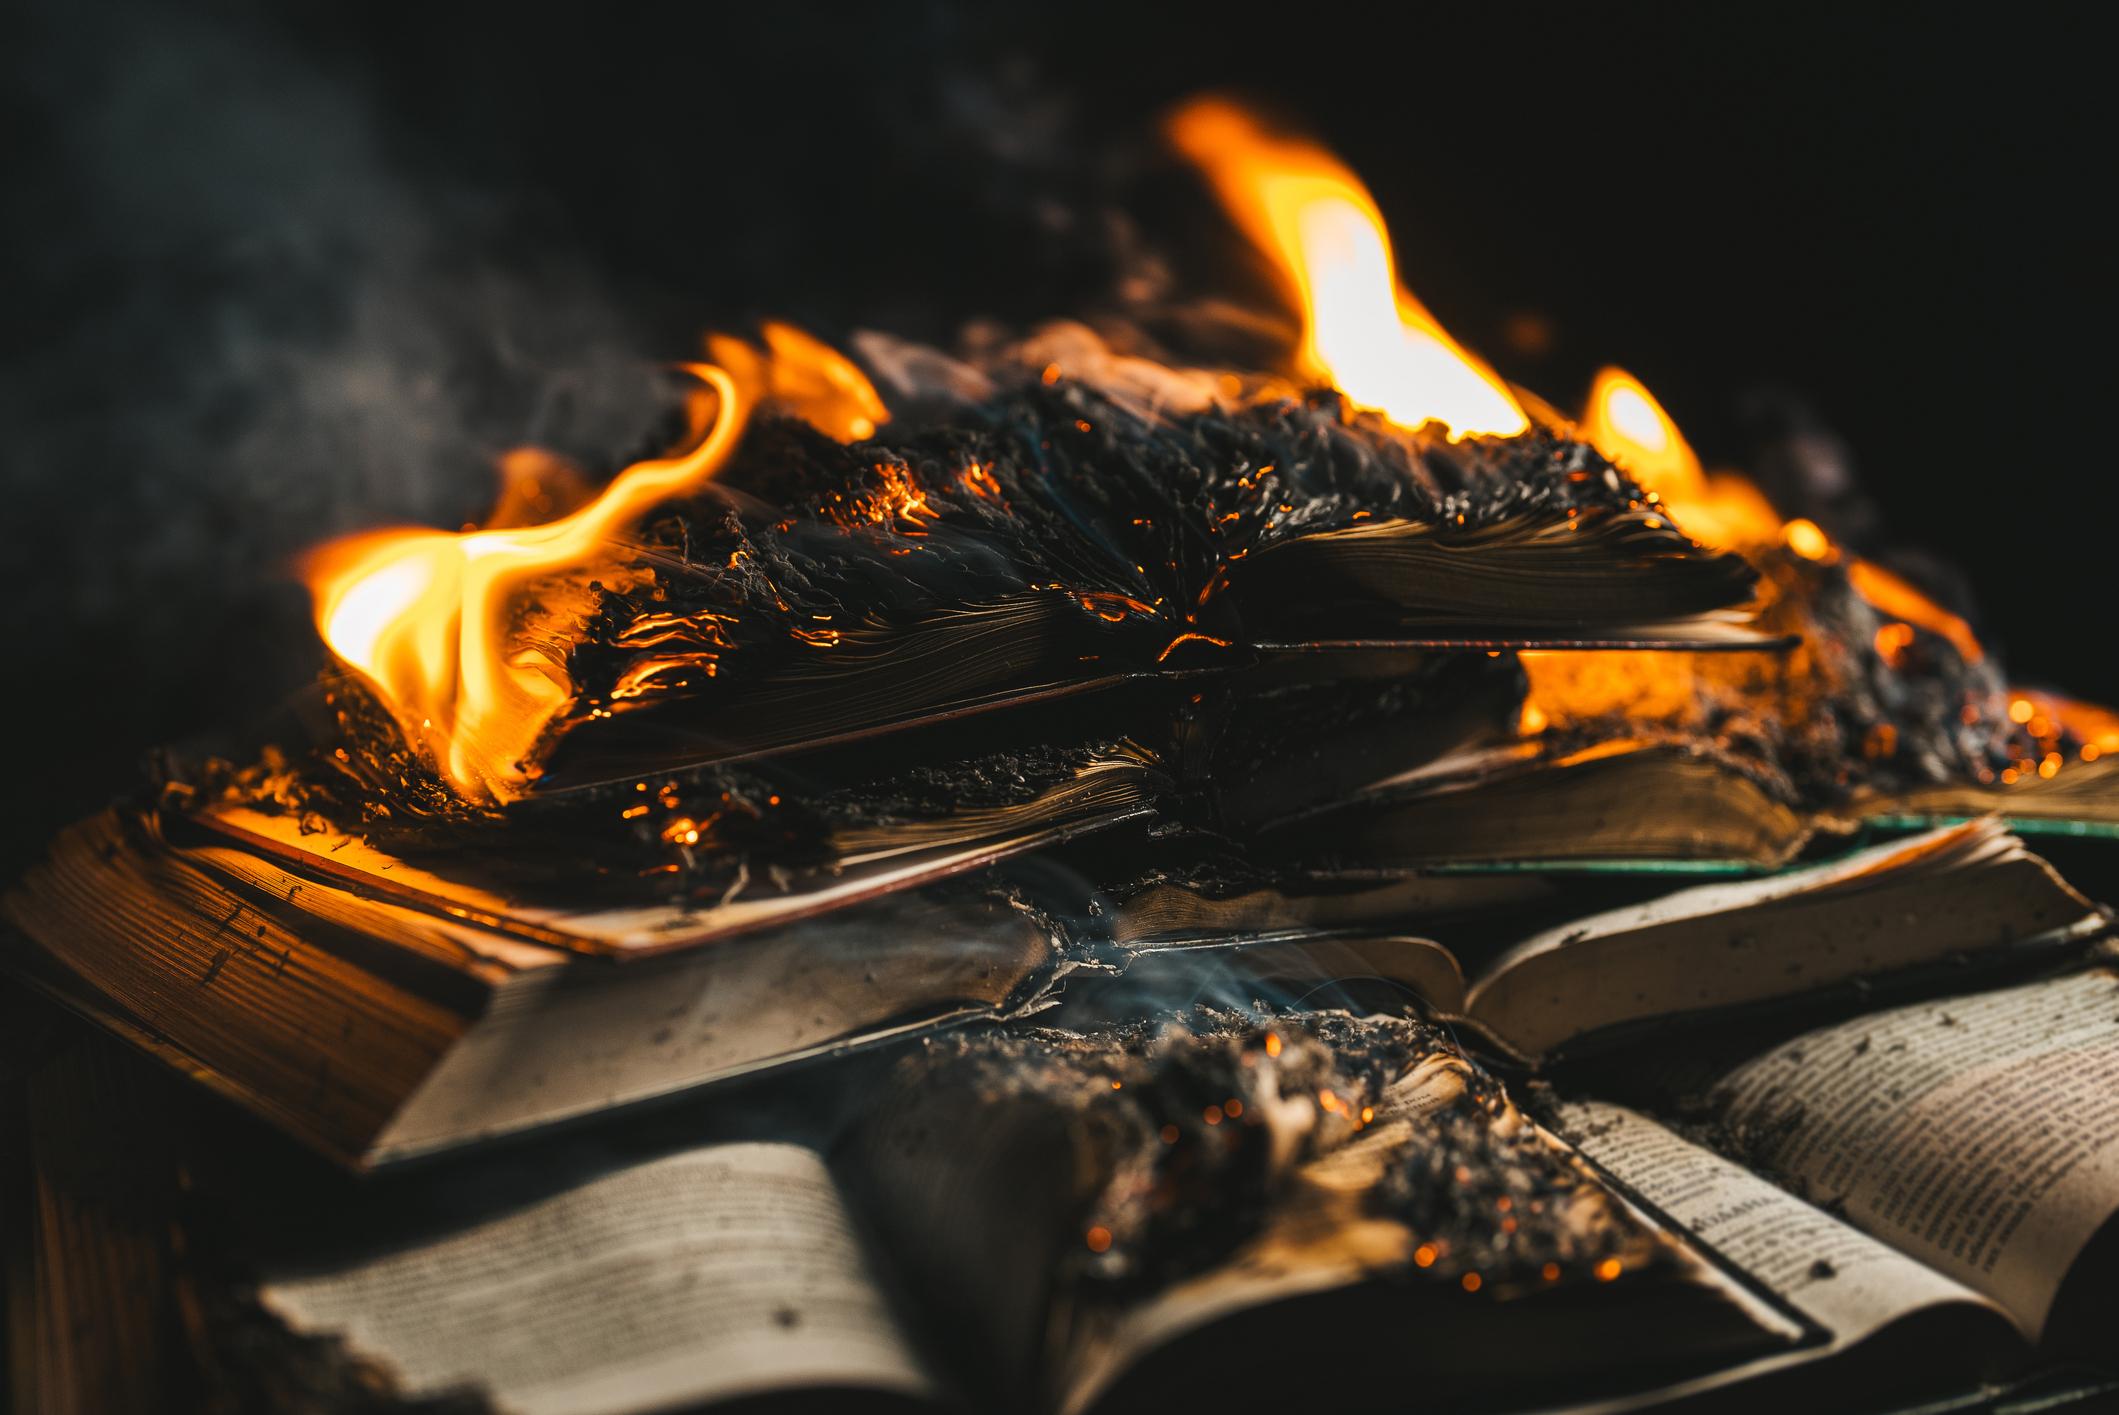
{"points": [[245, 321]]}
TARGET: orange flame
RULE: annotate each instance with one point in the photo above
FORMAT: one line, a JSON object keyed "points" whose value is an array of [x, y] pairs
{"points": [[804, 377], [1623, 420], [1892, 595], [426, 617], [1363, 332], [435, 621]]}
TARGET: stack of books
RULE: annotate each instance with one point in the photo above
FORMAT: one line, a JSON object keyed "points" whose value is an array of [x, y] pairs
{"points": [[1087, 883]]}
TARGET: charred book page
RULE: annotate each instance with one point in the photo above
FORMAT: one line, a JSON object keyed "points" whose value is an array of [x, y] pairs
{"points": [[674, 862], [1051, 537], [1009, 537], [1104, 1215]]}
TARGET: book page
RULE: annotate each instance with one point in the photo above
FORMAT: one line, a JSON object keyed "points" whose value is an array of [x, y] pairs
{"points": [[696, 1277], [1965, 889], [1104, 794], [659, 1026], [1979, 1134], [1834, 1274]]}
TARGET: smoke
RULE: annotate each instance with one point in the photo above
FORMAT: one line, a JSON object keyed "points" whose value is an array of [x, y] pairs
{"points": [[245, 323]]}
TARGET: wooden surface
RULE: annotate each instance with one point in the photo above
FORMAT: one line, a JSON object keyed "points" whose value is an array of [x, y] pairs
{"points": [[94, 1317]]}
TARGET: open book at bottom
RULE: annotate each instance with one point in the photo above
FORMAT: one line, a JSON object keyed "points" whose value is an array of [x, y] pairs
{"points": [[1376, 1213], [1343, 1206], [1939, 1179]]}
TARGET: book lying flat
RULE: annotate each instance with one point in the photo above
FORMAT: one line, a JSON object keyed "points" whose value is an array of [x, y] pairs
{"points": [[1516, 804], [1961, 893], [1061, 542], [559, 889], [2080, 799], [676, 861], [1636, 803], [1004, 1265], [377, 1032]]}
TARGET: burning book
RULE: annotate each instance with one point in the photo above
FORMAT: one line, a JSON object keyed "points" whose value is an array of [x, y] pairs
{"points": [[1888, 710], [1144, 1198], [1143, 1201], [1069, 675], [871, 630]]}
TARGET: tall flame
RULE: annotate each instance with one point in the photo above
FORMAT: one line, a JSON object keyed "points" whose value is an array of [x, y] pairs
{"points": [[426, 617], [1363, 332]]}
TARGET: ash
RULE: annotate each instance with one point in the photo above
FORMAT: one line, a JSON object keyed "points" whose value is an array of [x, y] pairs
{"points": [[1194, 1131]]}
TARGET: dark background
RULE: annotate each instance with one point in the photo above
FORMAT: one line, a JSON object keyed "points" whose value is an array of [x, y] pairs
{"points": [[278, 271]]}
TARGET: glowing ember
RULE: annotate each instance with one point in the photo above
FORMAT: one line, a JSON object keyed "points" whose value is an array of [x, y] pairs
{"points": [[2049, 718], [1363, 332]]}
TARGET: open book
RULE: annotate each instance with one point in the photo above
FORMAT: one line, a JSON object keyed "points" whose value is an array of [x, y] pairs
{"points": [[1941, 1178], [378, 1025], [767, 1271], [1858, 1207], [1947, 899], [382, 1012]]}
